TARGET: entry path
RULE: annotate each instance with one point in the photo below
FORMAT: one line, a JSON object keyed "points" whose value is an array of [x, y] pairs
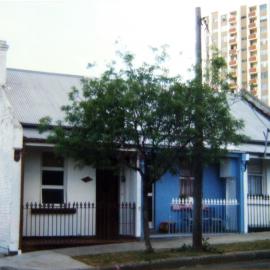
{"points": [[61, 258]]}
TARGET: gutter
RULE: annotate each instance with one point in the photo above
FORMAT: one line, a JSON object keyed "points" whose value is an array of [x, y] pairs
{"points": [[191, 261]]}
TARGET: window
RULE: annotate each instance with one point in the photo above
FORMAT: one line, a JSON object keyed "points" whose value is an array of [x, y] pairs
{"points": [[264, 75], [263, 52], [264, 87], [263, 7], [263, 41], [263, 29], [52, 178], [264, 64], [255, 177], [186, 182], [224, 18]]}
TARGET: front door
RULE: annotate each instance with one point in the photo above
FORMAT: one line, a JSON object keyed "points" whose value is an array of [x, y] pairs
{"points": [[107, 192]]}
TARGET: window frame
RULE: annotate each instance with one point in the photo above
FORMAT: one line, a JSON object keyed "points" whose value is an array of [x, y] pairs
{"points": [[190, 181], [255, 172], [52, 187], [261, 183]]}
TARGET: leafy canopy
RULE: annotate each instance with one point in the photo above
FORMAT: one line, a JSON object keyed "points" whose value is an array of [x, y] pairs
{"points": [[142, 110]]}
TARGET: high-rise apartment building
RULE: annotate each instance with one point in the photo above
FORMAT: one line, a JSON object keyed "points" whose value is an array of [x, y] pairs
{"points": [[241, 36]]}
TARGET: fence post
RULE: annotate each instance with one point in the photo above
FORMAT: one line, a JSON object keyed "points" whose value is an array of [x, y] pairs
{"points": [[243, 211], [138, 214]]}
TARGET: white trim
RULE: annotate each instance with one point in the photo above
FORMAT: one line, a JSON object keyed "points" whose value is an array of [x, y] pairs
{"points": [[245, 195], [40, 144], [138, 203], [55, 169], [54, 187]]}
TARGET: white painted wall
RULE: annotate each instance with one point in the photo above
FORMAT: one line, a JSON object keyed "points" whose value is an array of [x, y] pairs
{"points": [[131, 191], [128, 187], [11, 136], [76, 190], [32, 175]]}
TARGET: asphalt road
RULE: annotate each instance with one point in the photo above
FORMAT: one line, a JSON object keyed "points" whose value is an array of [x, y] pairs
{"points": [[250, 265]]}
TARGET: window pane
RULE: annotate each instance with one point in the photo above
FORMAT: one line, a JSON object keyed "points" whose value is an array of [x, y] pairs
{"points": [[254, 185], [49, 159], [52, 196], [55, 178], [186, 187]]}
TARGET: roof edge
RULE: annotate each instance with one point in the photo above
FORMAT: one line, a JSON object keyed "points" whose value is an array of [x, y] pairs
{"points": [[46, 72], [256, 103]]}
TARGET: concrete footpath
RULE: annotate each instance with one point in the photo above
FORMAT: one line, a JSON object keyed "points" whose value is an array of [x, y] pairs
{"points": [[61, 258]]}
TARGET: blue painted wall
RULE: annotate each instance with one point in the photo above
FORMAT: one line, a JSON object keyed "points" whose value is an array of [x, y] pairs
{"points": [[213, 185], [168, 187], [165, 189]]}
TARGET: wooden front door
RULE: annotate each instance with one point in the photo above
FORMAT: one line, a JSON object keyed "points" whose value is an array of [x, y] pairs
{"points": [[107, 196]]}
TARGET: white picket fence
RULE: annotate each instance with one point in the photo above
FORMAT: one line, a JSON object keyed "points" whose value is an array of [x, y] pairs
{"points": [[218, 215], [258, 212]]}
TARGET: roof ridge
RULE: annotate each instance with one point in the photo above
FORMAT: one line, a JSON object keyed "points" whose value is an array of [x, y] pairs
{"points": [[255, 102], [44, 72]]}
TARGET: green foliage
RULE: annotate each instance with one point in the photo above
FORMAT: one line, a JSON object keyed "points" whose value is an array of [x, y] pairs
{"points": [[143, 112], [143, 109]]}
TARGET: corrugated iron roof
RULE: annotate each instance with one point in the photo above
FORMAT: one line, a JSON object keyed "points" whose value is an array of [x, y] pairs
{"points": [[34, 95], [255, 122]]}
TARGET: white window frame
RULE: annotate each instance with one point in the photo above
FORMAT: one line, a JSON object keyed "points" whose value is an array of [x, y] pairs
{"points": [[53, 187]]}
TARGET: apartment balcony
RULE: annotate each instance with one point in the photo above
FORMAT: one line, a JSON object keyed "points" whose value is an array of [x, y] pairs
{"points": [[233, 86], [233, 63], [252, 36], [252, 59], [252, 14], [253, 70], [233, 74], [254, 91], [232, 30], [252, 25], [253, 81], [252, 48], [233, 41], [232, 19], [233, 52]]}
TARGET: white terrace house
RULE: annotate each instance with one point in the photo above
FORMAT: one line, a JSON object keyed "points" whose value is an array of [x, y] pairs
{"points": [[42, 196]]}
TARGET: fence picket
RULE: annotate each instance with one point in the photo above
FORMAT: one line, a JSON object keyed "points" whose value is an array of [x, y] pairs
{"points": [[258, 212], [218, 215]]}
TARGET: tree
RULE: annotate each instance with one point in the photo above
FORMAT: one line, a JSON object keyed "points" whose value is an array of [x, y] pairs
{"points": [[143, 109], [214, 130], [143, 113]]}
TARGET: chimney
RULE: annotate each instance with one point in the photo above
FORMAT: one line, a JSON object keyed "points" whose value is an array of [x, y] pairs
{"points": [[3, 62]]}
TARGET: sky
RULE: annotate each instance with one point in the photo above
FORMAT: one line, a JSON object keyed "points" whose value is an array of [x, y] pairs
{"points": [[63, 36]]}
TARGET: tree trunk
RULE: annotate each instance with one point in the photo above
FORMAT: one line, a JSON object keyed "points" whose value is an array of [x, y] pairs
{"points": [[197, 206], [146, 231]]}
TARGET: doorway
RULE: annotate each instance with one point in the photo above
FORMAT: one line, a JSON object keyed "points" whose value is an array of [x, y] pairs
{"points": [[107, 198]]}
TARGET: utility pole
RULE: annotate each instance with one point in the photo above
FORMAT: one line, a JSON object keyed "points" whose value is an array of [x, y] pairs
{"points": [[198, 48], [197, 158]]}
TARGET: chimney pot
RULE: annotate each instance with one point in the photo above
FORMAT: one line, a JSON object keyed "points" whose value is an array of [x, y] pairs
{"points": [[3, 62]]}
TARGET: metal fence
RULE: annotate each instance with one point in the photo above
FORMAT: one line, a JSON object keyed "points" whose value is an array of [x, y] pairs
{"points": [[76, 219], [218, 216], [258, 212]]}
